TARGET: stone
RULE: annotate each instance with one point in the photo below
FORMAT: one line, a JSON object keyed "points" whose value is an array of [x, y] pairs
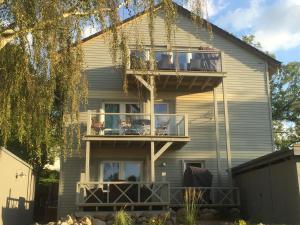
{"points": [[51, 223], [109, 222], [234, 213], [69, 220], [86, 221], [100, 217], [180, 216], [109, 216], [64, 223], [98, 222]]}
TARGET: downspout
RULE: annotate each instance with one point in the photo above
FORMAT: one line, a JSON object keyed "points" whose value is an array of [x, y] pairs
{"points": [[270, 105]]}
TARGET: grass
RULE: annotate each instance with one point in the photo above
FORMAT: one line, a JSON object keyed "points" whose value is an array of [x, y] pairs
{"points": [[191, 198], [122, 218]]}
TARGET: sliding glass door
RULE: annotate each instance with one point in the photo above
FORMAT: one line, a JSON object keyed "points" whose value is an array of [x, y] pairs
{"points": [[121, 171]]}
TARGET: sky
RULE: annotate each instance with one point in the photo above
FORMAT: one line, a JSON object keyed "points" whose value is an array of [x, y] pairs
{"points": [[275, 23]]}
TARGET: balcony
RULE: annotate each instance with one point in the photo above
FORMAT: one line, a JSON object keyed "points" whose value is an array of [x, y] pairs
{"points": [[136, 127], [178, 70]]}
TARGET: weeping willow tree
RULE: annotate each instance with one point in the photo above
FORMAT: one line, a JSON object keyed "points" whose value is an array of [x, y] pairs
{"points": [[42, 82]]}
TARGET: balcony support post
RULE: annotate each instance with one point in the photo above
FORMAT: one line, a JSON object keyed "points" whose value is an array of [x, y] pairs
{"points": [[227, 130], [152, 122], [152, 162], [87, 160], [216, 115]]}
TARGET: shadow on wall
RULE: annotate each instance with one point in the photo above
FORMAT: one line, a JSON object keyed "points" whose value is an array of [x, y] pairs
{"points": [[17, 211]]}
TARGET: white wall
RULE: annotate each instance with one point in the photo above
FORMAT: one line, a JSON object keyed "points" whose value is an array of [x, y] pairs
{"points": [[16, 192]]}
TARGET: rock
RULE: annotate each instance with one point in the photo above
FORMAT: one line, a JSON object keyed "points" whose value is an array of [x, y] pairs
{"points": [[208, 214], [64, 223], [109, 216], [51, 223], [100, 217], [109, 222], [69, 220], [97, 222], [86, 221], [180, 216], [234, 213], [58, 222]]}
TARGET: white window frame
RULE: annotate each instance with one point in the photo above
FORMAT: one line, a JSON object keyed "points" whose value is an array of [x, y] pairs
{"points": [[184, 162], [121, 168]]}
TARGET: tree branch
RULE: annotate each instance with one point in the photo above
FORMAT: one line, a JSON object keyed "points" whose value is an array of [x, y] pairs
{"points": [[10, 34]]}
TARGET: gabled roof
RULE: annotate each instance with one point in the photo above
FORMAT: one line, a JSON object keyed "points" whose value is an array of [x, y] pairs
{"points": [[273, 63]]}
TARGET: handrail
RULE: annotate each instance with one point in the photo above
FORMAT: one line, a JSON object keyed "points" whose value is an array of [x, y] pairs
{"points": [[115, 193], [138, 114], [100, 123]]}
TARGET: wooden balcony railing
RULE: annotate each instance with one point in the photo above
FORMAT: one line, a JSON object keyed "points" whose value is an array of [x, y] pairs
{"points": [[208, 196], [122, 193], [138, 124]]}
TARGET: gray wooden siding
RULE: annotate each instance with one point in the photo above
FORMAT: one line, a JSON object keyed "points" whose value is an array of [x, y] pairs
{"points": [[247, 100]]}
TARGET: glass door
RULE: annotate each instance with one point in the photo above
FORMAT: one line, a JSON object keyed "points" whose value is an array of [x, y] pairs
{"points": [[121, 171], [112, 121]]}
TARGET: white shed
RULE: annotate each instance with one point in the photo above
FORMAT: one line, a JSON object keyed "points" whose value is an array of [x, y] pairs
{"points": [[16, 190]]}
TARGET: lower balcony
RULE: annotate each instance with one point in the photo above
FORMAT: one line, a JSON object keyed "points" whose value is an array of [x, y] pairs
{"points": [[104, 196], [136, 127]]}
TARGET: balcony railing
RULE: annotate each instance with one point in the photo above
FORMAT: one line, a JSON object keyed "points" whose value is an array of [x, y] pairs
{"points": [[122, 193], [204, 61], [125, 193], [139, 124]]}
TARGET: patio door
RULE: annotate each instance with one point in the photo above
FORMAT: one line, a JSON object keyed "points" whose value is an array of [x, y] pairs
{"points": [[121, 171], [112, 121]]}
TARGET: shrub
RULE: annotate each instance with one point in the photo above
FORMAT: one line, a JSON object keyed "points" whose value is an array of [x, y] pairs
{"points": [[191, 198], [122, 218]]}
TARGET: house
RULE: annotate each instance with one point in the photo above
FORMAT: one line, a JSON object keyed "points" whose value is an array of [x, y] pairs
{"points": [[16, 191], [207, 105]]}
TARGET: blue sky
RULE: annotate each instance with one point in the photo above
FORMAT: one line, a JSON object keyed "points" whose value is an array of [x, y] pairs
{"points": [[275, 23]]}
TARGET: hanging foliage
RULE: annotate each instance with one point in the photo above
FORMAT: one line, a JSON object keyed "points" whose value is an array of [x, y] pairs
{"points": [[42, 82]]}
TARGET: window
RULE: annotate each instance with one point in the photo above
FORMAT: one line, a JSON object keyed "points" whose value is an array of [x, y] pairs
{"points": [[121, 170], [161, 108], [193, 163]]}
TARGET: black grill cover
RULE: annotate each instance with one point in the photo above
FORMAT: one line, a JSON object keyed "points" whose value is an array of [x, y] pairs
{"points": [[197, 177]]}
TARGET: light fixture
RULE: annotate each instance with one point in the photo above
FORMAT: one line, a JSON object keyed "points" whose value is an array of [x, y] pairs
{"points": [[21, 175]]}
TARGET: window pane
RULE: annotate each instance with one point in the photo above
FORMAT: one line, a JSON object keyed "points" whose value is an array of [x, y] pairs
{"points": [[194, 164], [133, 108], [112, 121], [111, 171], [132, 171], [160, 108]]}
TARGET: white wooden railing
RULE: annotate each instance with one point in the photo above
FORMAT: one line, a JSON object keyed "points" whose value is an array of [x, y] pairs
{"points": [[122, 194], [208, 196], [107, 124]]}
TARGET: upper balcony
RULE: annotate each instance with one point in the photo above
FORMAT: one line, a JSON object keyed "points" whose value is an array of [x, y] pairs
{"points": [[136, 127], [199, 70]]}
